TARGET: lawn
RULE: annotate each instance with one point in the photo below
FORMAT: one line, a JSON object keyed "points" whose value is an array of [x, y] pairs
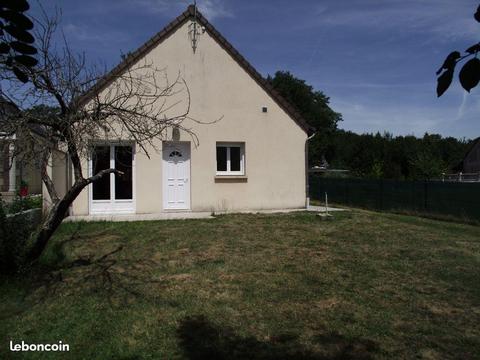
{"points": [[289, 286]]}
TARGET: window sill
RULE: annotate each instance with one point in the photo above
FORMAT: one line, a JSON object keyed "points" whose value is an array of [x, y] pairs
{"points": [[231, 178]]}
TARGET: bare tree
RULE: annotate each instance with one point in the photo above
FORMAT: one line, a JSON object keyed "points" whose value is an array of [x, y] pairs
{"points": [[137, 105]]}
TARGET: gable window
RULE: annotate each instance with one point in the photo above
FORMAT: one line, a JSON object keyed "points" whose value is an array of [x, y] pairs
{"points": [[230, 159]]}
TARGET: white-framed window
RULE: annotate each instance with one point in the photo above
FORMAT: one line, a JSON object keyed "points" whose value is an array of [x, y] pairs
{"points": [[230, 158]]}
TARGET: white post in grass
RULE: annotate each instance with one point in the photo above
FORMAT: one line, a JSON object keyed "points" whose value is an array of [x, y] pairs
{"points": [[326, 203]]}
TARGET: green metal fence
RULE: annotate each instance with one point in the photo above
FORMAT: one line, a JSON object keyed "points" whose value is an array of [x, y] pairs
{"points": [[461, 200]]}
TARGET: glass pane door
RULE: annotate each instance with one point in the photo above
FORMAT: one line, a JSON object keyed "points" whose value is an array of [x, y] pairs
{"points": [[101, 161], [113, 193], [123, 182]]}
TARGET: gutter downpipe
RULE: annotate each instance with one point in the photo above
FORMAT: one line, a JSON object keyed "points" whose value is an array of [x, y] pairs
{"points": [[307, 185]]}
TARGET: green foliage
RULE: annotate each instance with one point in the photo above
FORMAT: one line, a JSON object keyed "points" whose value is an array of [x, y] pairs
{"points": [[7, 260], [14, 233], [3, 215], [401, 157], [368, 155], [426, 166], [377, 170], [313, 105], [24, 203], [43, 112]]}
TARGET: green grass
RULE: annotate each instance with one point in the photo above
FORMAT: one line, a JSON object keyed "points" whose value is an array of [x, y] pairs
{"points": [[360, 285]]}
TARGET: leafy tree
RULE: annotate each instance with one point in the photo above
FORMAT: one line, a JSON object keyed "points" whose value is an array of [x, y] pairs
{"points": [[384, 156], [426, 166], [313, 105], [469, 74], [376, 171]]}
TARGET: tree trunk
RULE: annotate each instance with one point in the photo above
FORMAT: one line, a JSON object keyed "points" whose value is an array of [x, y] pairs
{"points": [[58, 211], [51, 223], [54, 219]]}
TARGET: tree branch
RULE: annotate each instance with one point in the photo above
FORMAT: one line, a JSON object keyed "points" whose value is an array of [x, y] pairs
{"points": [[102, 173], [47, 180]]}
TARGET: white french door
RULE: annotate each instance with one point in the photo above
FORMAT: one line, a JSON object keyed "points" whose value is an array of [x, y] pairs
{"points": [[176, 175], [113, 193]]}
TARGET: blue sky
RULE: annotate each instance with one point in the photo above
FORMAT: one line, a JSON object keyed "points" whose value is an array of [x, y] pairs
{"points": [[375, 59]]}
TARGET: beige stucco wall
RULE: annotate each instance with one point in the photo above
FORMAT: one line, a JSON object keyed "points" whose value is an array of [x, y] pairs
{"points": [[57, 170], [220, 88]]}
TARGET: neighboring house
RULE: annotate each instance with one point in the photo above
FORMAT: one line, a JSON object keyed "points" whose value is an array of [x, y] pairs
{"points": [[471, 161], [468, 170], [13, 172], [253, 158]]}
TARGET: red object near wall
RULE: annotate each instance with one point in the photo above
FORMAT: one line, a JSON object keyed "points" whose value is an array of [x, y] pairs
{"points": [[24, 191]]}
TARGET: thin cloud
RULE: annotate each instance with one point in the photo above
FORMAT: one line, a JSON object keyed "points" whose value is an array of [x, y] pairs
{"points": [[469, 107], [463, 106], [371, 85], [88, 34], [211, 9], [446, 20]]}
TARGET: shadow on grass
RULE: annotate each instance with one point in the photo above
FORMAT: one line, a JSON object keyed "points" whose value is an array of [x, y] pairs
{"points": [[200, 339], [94, 269], [118, 280]]}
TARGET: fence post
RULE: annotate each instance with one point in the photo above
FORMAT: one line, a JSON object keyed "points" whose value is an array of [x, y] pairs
{"points": [[460, 176]]}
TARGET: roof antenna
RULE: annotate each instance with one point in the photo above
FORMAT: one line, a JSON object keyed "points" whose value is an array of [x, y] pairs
{"points": [[194, 30]]}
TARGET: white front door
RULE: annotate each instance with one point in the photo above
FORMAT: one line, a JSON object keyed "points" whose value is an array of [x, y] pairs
{"points": [[176, 175], [113, 193]]}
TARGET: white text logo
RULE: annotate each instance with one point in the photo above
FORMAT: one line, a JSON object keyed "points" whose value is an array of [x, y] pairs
{"points": [[39, 347]]}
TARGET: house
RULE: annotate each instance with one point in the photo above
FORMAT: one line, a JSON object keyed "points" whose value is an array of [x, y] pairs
{"points": [[15, 173], [253, 158], [471, 161], [468, 170]]}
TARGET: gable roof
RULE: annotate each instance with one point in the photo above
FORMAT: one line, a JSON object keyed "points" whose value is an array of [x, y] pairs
{"points": [[460, 165], [473, 146], [135, 56]]}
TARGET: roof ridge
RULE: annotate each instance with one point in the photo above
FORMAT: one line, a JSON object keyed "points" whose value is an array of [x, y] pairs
{"points": [[159, 37]]}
